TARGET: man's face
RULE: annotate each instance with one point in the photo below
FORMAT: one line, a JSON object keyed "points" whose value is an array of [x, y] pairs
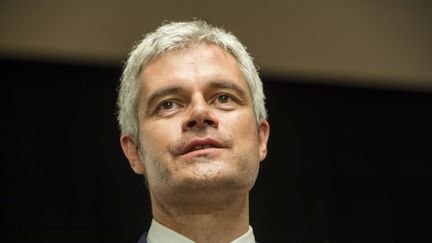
{"points": [[197, 128]]}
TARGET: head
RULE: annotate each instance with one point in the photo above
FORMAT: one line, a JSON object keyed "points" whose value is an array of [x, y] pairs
{"points": [[175, 36], [192, 111]]}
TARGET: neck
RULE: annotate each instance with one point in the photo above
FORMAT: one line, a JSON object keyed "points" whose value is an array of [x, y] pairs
{"points": [[210, 221]]}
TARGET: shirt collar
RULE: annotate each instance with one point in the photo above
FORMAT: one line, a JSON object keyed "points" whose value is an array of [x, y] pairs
{"points": [[161, 234]]}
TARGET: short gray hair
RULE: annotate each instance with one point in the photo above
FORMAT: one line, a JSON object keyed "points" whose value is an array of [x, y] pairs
{"points": [[174, 36]]}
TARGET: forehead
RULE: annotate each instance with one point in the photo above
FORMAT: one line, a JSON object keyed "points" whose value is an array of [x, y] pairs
{"points": [[192, 66]]}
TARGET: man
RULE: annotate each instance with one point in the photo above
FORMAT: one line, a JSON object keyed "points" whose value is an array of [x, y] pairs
{"points": [[193, 123]]}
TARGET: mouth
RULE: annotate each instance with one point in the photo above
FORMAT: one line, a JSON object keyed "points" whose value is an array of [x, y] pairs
{"points": [[196, 146]]}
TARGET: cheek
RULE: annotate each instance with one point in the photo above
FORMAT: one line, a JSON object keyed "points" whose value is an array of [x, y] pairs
{"points": [[156, 136], [243, 128]]}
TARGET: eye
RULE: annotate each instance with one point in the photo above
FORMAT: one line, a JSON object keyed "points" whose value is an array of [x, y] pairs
{"points": [[223, 98], [167, 105]]}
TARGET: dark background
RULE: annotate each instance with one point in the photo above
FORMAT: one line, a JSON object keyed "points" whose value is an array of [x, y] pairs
{"points": [[345, 164]]}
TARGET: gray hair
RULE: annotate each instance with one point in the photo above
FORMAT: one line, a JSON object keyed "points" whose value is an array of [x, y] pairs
{"points": [[174, 36]]}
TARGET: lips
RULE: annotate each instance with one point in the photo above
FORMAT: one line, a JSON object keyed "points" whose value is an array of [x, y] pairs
{"points": [[200, 144]]}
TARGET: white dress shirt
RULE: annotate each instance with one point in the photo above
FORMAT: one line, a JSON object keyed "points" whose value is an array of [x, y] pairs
{"points": [[161, 234]]}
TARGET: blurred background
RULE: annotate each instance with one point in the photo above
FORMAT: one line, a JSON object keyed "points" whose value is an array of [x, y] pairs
{"points": [[349, 93]]}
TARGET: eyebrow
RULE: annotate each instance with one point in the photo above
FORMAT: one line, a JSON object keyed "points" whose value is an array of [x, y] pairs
{"points": [[214, 84]]}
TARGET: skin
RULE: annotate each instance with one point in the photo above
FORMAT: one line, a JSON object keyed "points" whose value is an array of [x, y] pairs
{"points": [[197, 95]]}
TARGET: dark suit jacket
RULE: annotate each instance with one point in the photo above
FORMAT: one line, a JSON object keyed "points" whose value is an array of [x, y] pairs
{"points": [[143, 238]]}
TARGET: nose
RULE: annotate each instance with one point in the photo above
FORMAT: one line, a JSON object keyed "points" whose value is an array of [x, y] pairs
{"points": [[200, 116]]}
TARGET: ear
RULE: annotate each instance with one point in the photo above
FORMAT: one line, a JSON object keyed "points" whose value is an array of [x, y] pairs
{"points": [[132, 152], [263, 133]]}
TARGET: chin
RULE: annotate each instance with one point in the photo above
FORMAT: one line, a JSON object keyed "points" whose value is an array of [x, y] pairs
{"points": [[211, 179], [205, 187], [211, 189]]}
